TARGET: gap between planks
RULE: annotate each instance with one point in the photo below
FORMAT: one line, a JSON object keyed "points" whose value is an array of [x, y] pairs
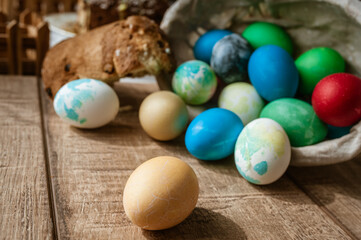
{"points": [[49, 182]]}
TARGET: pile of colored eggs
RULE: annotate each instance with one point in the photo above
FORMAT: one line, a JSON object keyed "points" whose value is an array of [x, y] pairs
{"points": [[258, 118], [260, 114]]}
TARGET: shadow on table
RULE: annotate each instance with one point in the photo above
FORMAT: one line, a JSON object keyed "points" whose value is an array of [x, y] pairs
{"points": [[324, 181], [201, 224]]}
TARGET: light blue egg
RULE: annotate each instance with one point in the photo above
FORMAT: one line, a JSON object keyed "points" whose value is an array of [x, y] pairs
{"points": [[203, 48], [273, 73], [212, 135]]}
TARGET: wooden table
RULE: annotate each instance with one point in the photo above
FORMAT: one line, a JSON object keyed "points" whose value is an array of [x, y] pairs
{"points": [[61, 182]]}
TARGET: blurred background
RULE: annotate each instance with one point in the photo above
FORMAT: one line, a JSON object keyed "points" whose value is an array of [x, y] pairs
{"points": [[28, 28]]}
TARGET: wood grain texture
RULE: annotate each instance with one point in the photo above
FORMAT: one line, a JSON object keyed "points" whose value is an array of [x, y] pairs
{"points": [[90, 168], [24, 204], [336, 188]]}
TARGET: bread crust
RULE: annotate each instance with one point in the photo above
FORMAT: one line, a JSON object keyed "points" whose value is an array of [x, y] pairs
{"points": [[128, 48]]}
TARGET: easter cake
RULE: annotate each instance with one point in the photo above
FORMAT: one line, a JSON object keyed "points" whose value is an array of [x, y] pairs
{"points": [[95, 13], [131, 47]]}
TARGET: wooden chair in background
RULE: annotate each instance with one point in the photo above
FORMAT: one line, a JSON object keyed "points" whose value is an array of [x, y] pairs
{"points": [[49, 6], [24, 36], [32, 43], [12, 8], [8, 32]]}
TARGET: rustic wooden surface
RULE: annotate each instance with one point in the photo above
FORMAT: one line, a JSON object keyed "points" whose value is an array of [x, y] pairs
{"points": [[87, 171], [24, 203]]}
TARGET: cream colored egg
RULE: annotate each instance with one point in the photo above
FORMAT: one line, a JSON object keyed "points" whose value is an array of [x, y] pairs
{"points": [[242, 99], [262, 151], [163, 115], [160, 193]]}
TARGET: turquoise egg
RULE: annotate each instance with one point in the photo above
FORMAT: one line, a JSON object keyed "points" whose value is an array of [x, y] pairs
{"points": [[337, 132], [213, 133], [273, 73], [195, 82], [203, 47]]}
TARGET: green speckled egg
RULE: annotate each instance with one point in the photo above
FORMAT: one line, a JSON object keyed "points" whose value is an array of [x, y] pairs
{"points": [[316, 64], [242, 99], [262, 152], [298, 119], [262, 33], [195, 82]]}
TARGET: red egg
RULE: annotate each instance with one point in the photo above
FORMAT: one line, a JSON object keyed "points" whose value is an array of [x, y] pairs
{"points": [[336, 99]]}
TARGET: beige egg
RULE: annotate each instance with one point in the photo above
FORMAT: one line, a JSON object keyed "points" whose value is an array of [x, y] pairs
{"points": [[160, 193], [163, 115]]}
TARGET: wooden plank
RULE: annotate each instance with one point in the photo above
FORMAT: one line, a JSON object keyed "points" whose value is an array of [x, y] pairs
{"points": [[337, 189], [24, 204], [90, 167]]}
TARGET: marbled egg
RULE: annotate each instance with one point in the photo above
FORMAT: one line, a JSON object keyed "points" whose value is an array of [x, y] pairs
{"points": [[86, 103], [242, 99], [203, 47], [273, 73], [160, 193], [298, 119], [230, 58], [195, 82], [213, 134], [262, 152]]}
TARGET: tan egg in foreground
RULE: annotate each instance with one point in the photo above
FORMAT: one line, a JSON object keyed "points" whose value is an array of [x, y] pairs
{"points": [[160, 193], [163, 115]]}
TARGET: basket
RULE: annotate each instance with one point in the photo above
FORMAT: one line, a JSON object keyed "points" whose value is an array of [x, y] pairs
{"points": [[310, 23]]}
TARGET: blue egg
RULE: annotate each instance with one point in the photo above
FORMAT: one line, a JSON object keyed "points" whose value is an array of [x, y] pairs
{"points": [[273, 73], [337, 132], [212, 135], [230, 58], [203, 48]]}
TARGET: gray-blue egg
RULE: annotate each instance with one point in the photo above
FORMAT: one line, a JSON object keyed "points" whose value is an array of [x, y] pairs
{"points": [[230, 58]]}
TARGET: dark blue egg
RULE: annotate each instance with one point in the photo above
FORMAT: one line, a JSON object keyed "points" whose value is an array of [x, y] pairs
{"points": [[273, 73], [337, 132], [203, 48], [230, 58], [212, 135]]}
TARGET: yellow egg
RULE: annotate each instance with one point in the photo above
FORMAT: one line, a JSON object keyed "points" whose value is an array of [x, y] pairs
{"points": [[160, 193], [163, 115]]}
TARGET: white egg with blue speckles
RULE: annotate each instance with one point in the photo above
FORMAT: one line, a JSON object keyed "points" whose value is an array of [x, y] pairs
{"points": [[86, 103], [262, 152]]}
